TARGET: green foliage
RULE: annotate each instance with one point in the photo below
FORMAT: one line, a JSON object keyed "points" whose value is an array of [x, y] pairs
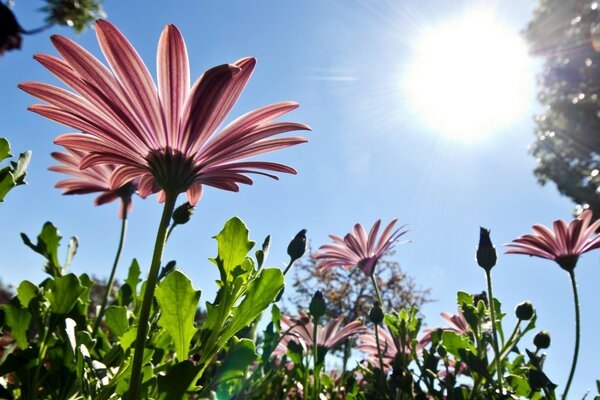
{"points": [[13, 174], [178, 302], [78, 14], [47, 245]]}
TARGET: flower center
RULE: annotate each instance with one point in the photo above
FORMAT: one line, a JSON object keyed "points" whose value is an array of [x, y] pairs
{"points": [[567, 262], [172, 171]]}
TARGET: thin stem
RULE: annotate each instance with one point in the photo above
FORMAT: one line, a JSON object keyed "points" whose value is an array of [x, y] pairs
{"points": [[488, 275], [509, 344], [577, 333], [136, 371], [285, 271], [111, 278], [315, 358], [377, 292], [379, 355]]}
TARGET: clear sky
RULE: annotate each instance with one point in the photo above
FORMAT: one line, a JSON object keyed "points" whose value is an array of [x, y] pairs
{"points": [[371, 155]]}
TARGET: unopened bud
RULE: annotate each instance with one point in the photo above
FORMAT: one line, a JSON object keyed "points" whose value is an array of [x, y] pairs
{"points": [[317, 305], [297, 246], [486, 252], [183, 214], [524, 311], [542, 340], [376, 314]]}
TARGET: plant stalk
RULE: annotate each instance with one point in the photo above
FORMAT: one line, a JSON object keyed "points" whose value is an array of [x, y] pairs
{"points": [[138, 355], [111, 278], [577, 334], [377, 292], [488, 275]]}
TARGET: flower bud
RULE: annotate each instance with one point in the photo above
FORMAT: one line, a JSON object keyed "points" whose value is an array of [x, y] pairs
{"points": [[524, 311], [183, 213], [317, 305], [297, 246], [376, 314], [542, 340], [486, 252]]}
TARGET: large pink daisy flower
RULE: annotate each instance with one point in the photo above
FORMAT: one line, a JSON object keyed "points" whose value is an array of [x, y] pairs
{"points": [[563, 245], [164, 136], [358, 249], [95, 179]]}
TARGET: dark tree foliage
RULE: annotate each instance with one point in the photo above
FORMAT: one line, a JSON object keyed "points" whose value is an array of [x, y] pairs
{"points": [[566, 33], [350, 292]]}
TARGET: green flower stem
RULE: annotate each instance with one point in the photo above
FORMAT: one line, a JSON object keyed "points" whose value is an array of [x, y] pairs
{"points": [[377, 292], [285, 271], [488, 275], [577, 333], [111, 279], [379, 355], [315, 358], [138, 355], [511, 341]]}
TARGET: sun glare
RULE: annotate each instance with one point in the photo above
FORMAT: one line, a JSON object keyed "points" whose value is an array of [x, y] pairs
{"points": [[470, 77]]}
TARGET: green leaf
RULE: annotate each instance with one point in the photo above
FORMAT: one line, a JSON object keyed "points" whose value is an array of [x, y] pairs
{"points": [[519, 384], [64, 292], [7, 182], [235, 366], [4, 149], [178, 302], [176, 382], [26, 292], [17, 319], [233, 246], [239, 357], [71, 251], [453, 342], [261, 292], [47, 245], [20, 167], [116, 319]]}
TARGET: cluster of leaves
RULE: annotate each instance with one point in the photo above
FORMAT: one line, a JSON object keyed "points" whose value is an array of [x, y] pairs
{"points": [[566, 33], [49, 349], [78, 14], [13, 174]]}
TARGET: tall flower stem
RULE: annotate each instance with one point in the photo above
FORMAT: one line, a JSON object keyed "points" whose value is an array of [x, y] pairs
{"points": [[377, 292], [488, 275], [161, 234], [379, 355], [111, 279], [315, 359], [577, 333]]}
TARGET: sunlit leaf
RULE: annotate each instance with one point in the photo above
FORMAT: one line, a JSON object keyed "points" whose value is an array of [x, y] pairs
{"points": [[178, 302], [233, 247], [116, 319], [26, 292], [64, 292]]}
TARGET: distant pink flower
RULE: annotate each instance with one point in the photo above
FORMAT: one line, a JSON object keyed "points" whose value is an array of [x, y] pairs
{"points": [[95, 179], [358, 249], [390, 347], [564, 245], [164, 136], [300, 330], [458, 324]]}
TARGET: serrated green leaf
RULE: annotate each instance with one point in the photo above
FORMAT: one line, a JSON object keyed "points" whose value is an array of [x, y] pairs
{"points": [[178, 302], [520, 385], [116, 320], [64, 292], [261, 292], [133, 276], [26, 292], [233, 247], [17, 319], [48, 242]]}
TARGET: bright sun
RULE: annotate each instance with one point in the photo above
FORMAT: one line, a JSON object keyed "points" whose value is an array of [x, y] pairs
{"points": [[470, 77]]}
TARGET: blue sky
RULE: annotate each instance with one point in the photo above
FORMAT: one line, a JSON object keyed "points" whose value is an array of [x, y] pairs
{"points": [[370, 156]]}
